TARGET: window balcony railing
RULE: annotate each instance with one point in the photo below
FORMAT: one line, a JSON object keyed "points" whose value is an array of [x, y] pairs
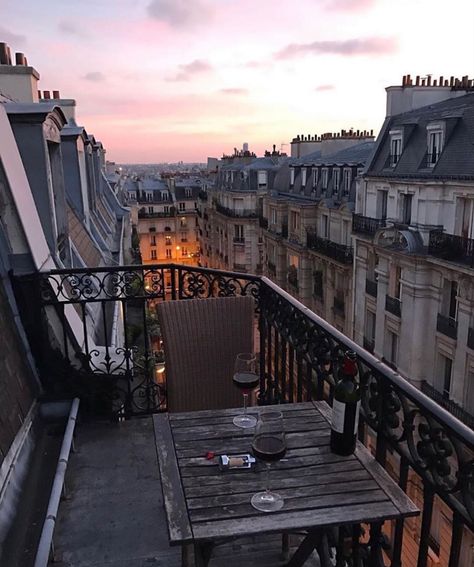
{"points": [[366, 225], [299, 359], [338, 252], [393, 305], [451, 247], [240, 213], [447, 326], [371, 287], [448, 404], [144, 214]]}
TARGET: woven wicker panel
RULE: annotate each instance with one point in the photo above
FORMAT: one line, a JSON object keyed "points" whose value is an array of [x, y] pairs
{"points": [[201, 340]]}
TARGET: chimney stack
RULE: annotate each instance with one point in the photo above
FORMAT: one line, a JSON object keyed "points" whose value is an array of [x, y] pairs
{"points": [[46, 95], [56, 94], [20, 59]]}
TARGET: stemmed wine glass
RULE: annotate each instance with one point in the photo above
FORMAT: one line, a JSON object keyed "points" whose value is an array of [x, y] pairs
{"points": [[269, 445], [246, 378]]}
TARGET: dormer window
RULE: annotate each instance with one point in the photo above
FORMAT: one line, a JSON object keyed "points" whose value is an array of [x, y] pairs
{"points": [[396, 146], [336, 174], [303, 177], [315, 177], [188, 192], [262, 178], [149, 196], [324, 178], [435, 140], [164, 195], [292, 176], [346, 181]]}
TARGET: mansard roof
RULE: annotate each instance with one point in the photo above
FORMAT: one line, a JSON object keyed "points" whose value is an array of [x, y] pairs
{"points": [[456, 117]]}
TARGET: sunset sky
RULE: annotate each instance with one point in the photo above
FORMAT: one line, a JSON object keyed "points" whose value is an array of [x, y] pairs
{"points": [[168, 80]]}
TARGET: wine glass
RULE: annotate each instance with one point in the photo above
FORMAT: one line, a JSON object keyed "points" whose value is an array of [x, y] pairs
{"points": [[269, 445], [246, 378]]}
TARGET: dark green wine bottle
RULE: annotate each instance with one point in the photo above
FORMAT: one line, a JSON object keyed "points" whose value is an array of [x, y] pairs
{"points": [[345, 407]]}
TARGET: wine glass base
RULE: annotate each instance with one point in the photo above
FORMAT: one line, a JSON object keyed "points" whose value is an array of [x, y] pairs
{"points": [[267, 501], [244, 421]]}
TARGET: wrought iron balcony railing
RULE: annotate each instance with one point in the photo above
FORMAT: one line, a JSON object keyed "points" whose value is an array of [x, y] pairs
{"points": [[447, 326], [143, 214], [393, 305], [451, 247], [366, 225], [241, 213], [94, 334], [338, 252], [448, 404]]}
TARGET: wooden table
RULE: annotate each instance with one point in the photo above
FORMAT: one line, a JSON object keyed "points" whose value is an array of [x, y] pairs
{"points": [[204, 505]]}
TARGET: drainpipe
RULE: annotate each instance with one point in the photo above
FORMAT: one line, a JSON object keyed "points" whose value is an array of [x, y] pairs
{"points": [[46, 540]]}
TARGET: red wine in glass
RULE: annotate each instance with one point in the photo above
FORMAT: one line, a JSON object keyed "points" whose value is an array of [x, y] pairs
{"points": [[246, 379], [268, 448]]}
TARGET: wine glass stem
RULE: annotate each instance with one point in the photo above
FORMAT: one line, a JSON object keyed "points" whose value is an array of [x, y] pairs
{"points": [[267, 477], [245, 403]]}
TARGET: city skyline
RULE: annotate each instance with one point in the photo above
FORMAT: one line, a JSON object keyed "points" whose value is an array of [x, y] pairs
{"points": [[169, 80]]}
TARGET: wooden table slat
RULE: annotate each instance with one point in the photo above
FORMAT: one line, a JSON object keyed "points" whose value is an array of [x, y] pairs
{"points": [[285, 408], [179, 526]]}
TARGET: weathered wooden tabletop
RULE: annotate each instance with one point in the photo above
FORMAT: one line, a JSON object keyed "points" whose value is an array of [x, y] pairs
{"points": [[319, 487]]}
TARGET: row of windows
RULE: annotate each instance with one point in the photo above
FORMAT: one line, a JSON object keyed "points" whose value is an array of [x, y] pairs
{"points": [[323, 176], [434, 144]]}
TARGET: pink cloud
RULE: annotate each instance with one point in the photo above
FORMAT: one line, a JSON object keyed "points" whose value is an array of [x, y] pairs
{"points": [[180, 13], [234, 91], [10, 37], [322, 88], [349, 47], [196, 67], [349, 5]]}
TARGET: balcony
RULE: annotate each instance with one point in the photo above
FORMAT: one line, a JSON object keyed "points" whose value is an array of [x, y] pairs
{"points": [[338, 252], [451, 247], [448, 404], [236, 214], [366, 225], [143, 214], [371, 287], [299, 355], [447, 326], [393, 305]]}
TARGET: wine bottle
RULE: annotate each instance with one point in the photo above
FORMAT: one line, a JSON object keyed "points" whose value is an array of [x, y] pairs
{"points": [[345, 408]]}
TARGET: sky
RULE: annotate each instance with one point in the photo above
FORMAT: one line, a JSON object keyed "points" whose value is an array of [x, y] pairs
{"points": [[170, 80]]}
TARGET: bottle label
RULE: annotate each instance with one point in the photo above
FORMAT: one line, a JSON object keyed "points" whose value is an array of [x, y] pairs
{"points": [[338, 414]]}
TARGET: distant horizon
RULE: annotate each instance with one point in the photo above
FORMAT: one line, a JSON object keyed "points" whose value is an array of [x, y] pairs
{"points": [[180, 80]]}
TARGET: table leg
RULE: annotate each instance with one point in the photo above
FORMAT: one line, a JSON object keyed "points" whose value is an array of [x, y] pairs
{"points": [[187, 559], [202, 554], [285, 547], [307, 546]]}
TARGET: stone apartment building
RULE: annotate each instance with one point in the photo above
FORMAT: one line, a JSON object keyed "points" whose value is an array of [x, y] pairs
{"points": [[165, 215], [229, 228], [307, 223], [414, 241]]}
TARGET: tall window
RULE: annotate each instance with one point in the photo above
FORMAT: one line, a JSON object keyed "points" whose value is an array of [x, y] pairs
{"points": [[168, 240], [182, 206], [150, 210], [435, 143], [405, 208], [152, 254], [325, 226], [152, 240], [446, 371], [166, 209], [303, 176], [168, 253], [292, 176], [239, 231], [395, 150], [262, 178], [188, 192], [336, 172], [294, 221], [450, 298], [346, 181], [315, 177], [381, 204], [324, 178], [370, 328], [273, 215], [391, 349]]}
